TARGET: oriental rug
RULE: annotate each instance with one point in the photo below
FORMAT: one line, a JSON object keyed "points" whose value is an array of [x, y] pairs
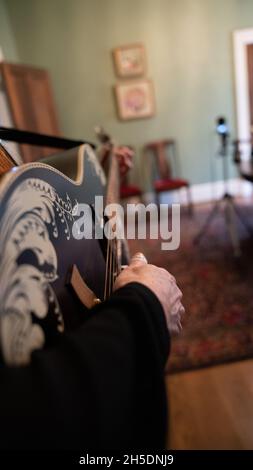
{"points": [[217, 291]]}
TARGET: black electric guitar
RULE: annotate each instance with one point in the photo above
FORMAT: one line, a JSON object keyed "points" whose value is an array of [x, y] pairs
{"points": [[48, 275]]}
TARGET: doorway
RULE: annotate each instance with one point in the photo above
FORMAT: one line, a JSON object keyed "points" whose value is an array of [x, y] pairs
{"points": [[243, 62]]}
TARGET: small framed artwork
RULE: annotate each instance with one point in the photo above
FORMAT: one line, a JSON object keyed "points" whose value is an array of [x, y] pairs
{"points": [[130, 61], [135, 99]]}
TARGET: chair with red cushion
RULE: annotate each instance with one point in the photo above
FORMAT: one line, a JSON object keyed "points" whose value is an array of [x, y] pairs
{"points": [[129, 190], [162, 150]]}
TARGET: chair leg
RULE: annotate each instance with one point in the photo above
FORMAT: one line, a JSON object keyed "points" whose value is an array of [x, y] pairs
{"points": [[157, 202], [157, 199], [189, 197]]}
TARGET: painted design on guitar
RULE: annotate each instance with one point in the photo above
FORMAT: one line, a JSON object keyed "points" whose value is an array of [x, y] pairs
{"points": [[26, 292]]}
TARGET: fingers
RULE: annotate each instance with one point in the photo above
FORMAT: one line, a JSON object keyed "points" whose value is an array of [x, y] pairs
{"points": [[174, 319], [173, 278], [138, 260], [182, 311], [175, 295]]}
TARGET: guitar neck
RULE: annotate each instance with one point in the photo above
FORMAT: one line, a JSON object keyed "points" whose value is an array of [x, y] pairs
{"points": [[112, 193]]}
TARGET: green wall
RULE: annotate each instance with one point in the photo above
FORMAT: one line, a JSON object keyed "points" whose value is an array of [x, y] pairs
{"points": [[7, 41], [189, 49]]}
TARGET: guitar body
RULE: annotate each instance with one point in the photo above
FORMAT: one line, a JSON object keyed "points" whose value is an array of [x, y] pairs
{"points": [[38, 250]]}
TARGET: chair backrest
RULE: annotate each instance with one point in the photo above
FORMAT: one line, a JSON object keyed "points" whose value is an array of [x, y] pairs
{"points": [[160, 150]]}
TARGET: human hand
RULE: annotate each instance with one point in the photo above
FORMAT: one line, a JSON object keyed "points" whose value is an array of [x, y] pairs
{"points": [[124, 155], [161, 283]]}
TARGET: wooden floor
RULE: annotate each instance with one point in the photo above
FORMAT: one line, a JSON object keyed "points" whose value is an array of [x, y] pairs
{"points": [[212, 408]]}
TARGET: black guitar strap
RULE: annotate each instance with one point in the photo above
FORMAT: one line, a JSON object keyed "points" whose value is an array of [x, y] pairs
{"points": [[41, 140]]}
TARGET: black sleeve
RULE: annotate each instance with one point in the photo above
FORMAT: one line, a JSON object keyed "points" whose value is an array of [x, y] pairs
{"points": [[100, 387]]}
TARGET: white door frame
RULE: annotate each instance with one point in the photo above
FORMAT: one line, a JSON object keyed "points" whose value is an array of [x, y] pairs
{"points": [[241, 38]]}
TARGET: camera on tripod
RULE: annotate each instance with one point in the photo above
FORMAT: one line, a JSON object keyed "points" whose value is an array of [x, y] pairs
{"points": [[222, 131], [226, 202]]}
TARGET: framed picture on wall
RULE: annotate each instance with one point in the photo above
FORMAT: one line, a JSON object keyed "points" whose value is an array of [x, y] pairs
{"points": [[135, 99], [130, 60]]}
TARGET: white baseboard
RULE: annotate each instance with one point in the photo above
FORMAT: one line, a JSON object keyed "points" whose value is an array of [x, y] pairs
{"points": [[204, 192]]}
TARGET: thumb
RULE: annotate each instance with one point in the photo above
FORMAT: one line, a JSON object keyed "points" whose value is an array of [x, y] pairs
{"points": [[138, 260]]}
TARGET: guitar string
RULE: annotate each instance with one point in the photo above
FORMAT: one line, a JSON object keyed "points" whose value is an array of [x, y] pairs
{"points": [[107, 287], [116, 269], [118, 254], [111, 262], [107, 270], [109, 274], [109, 259], [114, 260], [110, 266]]}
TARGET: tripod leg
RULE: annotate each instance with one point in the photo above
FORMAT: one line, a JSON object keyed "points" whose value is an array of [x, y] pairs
{"points": [[241, 218], [189, 198], [207, 223], [231, 226]]}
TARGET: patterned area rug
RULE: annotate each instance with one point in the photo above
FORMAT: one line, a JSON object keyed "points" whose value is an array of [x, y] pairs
{"points": [[218, 291]]}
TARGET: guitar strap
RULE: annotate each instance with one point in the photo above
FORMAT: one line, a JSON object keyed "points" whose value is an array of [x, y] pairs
{"points": [[40, 140], [83, 292]]}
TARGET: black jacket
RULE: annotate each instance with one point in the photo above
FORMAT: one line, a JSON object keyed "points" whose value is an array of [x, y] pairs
{"points": [[100, 387]]}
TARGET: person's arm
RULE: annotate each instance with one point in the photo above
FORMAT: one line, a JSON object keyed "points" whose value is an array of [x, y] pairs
{"points": [[99, 387]]}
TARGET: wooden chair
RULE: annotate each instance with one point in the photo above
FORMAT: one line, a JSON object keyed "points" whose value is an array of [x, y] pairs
{"points": [[162, 150], [129, 190]]}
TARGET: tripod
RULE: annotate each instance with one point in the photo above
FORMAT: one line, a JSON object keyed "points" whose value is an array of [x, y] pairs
{"points": [[231, 211]]}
